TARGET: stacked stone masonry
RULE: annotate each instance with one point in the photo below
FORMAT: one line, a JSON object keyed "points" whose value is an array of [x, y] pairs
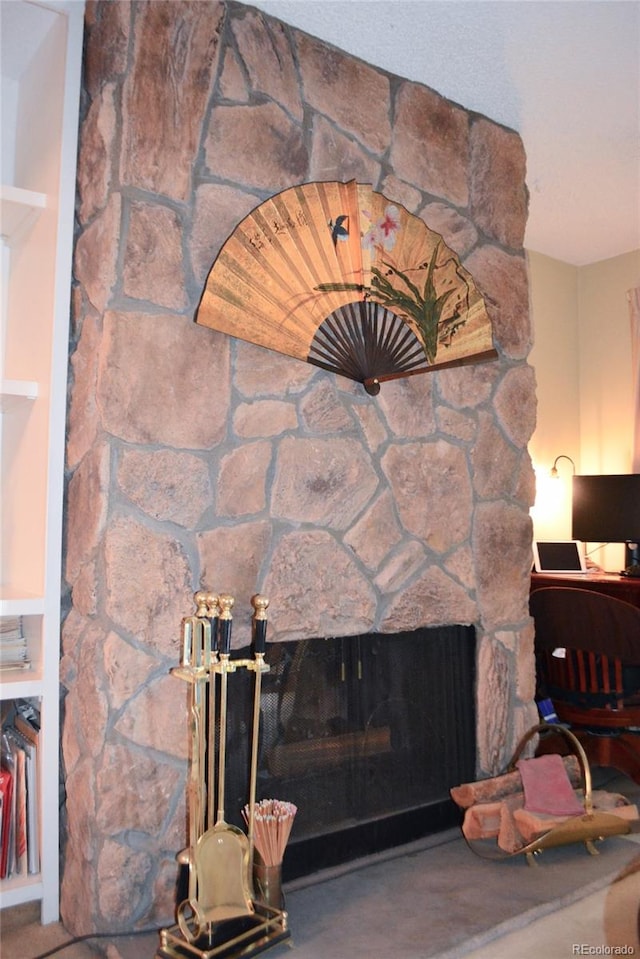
{"points": [[195, 459]]}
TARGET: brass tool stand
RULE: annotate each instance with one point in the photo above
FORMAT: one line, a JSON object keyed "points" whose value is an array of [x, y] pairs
{"points": [[221, 918]]}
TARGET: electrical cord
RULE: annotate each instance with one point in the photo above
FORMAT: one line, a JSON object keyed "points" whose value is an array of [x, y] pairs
{"points": [[96, 935]]}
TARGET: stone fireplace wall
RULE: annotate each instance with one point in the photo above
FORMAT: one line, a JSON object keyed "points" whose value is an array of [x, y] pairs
{"points": [[194, 459]]}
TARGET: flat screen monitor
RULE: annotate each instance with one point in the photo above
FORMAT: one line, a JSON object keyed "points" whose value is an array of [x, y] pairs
{"points": [[606, 509]]}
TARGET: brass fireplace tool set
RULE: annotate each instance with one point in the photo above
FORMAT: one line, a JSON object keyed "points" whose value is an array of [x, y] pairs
{"points": [[222, 917]]}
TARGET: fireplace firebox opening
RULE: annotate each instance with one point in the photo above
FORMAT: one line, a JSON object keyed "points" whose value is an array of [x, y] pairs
{"points": [[365, 734]]}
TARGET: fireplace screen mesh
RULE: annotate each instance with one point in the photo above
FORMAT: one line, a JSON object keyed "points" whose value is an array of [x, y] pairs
{"points": [[364, 731]]}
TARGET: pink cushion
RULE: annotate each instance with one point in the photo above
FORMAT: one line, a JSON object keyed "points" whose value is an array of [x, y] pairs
{"points": [[547, 788]]}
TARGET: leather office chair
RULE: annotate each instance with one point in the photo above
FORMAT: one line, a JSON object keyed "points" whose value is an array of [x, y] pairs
{"points": [[595, 687]]}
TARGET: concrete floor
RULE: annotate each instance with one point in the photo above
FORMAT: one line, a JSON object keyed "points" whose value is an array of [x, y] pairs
{"points": [[22, 936], [610, 917], [607, 918]]}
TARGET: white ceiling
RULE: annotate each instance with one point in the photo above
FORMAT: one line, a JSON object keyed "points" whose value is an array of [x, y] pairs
{"points": [[565, 75]]}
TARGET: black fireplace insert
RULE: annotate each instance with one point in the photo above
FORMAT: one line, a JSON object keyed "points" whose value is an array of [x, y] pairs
{"points": [[365, 734]]}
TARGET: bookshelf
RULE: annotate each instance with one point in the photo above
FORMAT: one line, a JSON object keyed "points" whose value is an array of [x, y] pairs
{"points": [[41, 65]]}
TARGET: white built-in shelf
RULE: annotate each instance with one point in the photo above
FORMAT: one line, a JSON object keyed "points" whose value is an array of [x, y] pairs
{"points": [[18, 602], [19, 210], [16, 393], [37, 241], [20, 683], [20, 889]]}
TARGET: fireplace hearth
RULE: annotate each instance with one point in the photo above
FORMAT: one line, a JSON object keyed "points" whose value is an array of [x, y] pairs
{"points": [[365, 734]]}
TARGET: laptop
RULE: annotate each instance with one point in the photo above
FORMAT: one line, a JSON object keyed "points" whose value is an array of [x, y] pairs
{"points": [[562, 557]]}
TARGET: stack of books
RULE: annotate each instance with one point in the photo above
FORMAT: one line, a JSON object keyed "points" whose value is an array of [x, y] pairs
{"points": [[13, 645], [19, 827]]}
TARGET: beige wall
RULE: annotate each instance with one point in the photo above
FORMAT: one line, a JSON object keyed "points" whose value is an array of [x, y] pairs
{"points": [[606, 388], [582, 362]]}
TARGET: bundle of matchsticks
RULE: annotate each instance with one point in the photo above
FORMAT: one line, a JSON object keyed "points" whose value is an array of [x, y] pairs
{"points": [[272, 824]]}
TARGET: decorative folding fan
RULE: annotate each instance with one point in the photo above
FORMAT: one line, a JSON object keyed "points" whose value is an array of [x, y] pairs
{"points": [[339, 276]]}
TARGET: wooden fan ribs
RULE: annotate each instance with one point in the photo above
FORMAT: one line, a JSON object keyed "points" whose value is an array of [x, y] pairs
{"points": [[338, 275], [363, 341]]}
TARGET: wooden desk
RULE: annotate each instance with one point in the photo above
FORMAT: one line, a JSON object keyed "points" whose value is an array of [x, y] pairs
{"points": [[622, 587]]}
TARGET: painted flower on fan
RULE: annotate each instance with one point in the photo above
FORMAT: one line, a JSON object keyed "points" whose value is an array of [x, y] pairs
{"points": [[383, 233], [423, 305]]}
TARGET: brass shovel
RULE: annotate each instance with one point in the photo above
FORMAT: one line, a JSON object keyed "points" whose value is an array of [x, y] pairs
{"points": [[222, 852]]}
